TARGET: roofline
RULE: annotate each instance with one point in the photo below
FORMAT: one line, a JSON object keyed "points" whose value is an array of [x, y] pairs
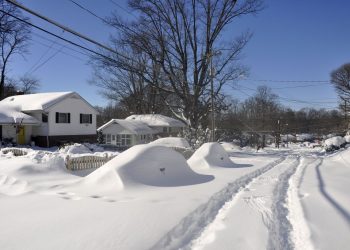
{"points": [[116, 121], [65, 97]]}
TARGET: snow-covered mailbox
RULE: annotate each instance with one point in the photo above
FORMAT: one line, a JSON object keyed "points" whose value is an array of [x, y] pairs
{"points": [[126, 133], [48, 119], [163, 126]]}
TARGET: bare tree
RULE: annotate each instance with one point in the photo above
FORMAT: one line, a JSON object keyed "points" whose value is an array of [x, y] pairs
{"points": [[28, 84], [14, 37], [128, 87], [340, 78], [181, 39]]}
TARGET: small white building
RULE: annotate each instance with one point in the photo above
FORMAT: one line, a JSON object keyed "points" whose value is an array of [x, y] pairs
{"points": [[126, 133], [49, 119], [163, 126]]}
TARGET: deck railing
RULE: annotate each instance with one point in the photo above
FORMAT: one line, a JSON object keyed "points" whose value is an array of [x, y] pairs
{"points": [[15, 151]]}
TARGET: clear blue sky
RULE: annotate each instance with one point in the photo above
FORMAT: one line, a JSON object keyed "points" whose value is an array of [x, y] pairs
{"points": [[293, 40]]}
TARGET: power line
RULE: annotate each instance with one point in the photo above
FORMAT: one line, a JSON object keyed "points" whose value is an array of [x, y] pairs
{"points": [[62, 52], [62, 38], [47, 60], [288, 81], [121, 7], [30, 70], [67, 47], [63, 27], [293, 101], [89, 11], [290, 99]]}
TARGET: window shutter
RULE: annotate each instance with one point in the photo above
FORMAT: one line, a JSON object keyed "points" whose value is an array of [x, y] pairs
{"points": [[91, 118], [68, 117], [57, 117], [81, 118]]}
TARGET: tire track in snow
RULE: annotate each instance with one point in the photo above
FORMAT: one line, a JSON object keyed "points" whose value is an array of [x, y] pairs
{"points": [[300, 234], [285, 219], [191, 227]]}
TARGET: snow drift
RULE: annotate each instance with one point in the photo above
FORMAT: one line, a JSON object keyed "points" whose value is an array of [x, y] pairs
{"points": [[230, 147], [150, 165], [177, 142], [335, 142], [210, 155]]}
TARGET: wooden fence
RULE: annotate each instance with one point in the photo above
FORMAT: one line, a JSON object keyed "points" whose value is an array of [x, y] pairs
{"points": [[15, 151], [86, 162]]}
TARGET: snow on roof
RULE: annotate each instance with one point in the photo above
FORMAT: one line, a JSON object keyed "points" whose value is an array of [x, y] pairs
{"points": [[136, 127], [11, 115], [39, 101], [157, 120]]}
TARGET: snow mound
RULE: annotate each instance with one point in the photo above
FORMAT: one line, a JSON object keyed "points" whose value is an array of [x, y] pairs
{"points": [[210, 155], [304, 137], [11, 186], [175, 142], [230, 147], [334, 143], [347, 138], [149, 165], [76, 148]]}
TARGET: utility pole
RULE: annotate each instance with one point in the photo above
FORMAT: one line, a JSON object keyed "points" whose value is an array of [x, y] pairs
{"points": [[278, 136], [212, 97]]}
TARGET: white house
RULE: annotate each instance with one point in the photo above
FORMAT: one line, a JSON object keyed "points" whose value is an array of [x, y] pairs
{"points": [[126, 133], [161, 124], [49, 119]]}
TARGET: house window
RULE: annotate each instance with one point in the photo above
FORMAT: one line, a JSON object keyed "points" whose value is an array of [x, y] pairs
{"points": [[86, 118], [125, 140], [108, 138], [113, 137], [44, 118], [164, 129], [62, 117]]}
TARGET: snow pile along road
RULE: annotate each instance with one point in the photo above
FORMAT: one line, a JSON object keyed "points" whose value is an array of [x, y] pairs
{"points": [[146, 165], [230, 147], [210, 155], [334, 142], [176, 142]]}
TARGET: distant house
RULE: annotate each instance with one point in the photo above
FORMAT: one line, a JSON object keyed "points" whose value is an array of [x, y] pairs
{"points": [[126, 133], [48, 119], [163, 126]]}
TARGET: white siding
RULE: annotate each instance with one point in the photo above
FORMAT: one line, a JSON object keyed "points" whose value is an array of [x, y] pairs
{"points": [[74, 106], [43, 128], [8, 131]]}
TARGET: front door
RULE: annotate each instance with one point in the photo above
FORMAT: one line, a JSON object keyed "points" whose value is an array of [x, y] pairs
{"points": [[21, 135]]}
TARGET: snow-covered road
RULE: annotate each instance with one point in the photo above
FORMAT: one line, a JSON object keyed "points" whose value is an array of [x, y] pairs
{"points": [[294, 198]]}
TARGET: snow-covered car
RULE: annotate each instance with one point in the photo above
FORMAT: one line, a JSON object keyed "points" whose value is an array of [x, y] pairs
{"points": [[334, 143]]}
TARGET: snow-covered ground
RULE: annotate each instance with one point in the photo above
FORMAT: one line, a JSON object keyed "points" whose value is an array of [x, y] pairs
{"points": [[150, 197]]}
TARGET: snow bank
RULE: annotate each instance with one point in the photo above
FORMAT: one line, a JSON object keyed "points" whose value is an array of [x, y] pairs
{"points": [[76, 148], [230, 147], [347, 138], [334, 143], [210, 155], [176, 142], [146, 165], [288, 138], [304, 137]]}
